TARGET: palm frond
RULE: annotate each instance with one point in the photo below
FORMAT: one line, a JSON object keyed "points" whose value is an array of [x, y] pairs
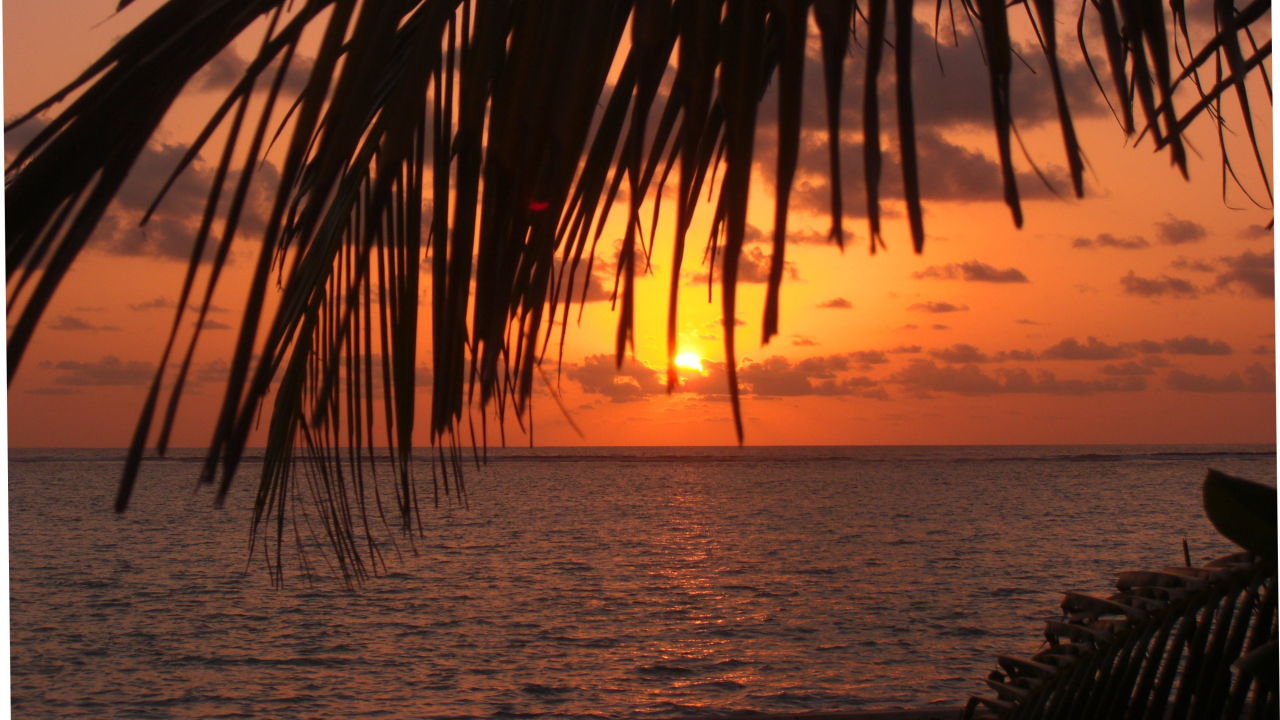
{"points": [[1178, 642]]}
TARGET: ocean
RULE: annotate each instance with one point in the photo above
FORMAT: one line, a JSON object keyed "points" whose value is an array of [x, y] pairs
{"points": [[592, 582]]}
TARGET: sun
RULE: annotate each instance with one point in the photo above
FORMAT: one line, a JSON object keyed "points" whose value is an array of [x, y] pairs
{"points": [[689, 360]]}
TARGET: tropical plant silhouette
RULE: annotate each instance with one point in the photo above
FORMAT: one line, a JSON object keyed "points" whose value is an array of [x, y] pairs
{"points": [[492, 139]]}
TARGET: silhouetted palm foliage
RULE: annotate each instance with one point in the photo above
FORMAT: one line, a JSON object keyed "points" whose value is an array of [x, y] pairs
{"points": [[492, 138], [1179, 642]]}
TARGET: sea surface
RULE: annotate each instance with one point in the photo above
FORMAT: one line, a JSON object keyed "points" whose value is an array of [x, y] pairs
{"points": [[592, 582]]}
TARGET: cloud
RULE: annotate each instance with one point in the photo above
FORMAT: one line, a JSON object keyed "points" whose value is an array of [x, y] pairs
{"points": [[164, 303], [109, 370], [211, 324], [1192, 345], [972, 271], [53, 391], [961, 353], [1192, 265], [1180, 232], [938, 307], [753, 267], [598, 374], [73, 323], [836, 303], [922, 377], [598, 283], [1107, 240], [1158, 287], [171, 230], [227, 68], [778, 377], [714, 329], [868, 357], [1092, 349], [1257, 378], [906, 349], [803, 341], [1126, 369], [1254, 232], [1252, 272]]}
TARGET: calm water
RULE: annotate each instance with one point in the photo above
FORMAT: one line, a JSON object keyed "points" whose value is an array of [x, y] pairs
{"points": [[593, 583]]}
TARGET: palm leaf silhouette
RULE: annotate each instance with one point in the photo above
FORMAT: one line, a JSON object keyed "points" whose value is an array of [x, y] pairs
{"points": [[491, 138]]}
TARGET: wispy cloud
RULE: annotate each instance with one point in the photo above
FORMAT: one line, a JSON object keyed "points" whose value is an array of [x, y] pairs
{"points": [[938, 307], [1252, 272], [108, 370], [1154, 287], [74, 323], [1180, 232], [1256, 378], [1107, 240], [972, 271]]}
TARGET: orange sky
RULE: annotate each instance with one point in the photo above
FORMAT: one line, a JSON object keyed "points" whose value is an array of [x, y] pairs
{"points": [[1144, 313]]}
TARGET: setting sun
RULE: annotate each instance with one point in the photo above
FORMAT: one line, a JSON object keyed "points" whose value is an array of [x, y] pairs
{"points": [[689, 360]]}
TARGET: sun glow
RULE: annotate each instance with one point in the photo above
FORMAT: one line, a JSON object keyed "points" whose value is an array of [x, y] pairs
{"points": [[689, 361]]}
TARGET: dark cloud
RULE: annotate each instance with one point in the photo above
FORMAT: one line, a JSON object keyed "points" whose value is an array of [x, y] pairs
{"points": [[1192, 265], [836, 303], [1257, 378], [960, 353], [866, 358], [1180, 232], [211, 324], [599, 283], [950, 81], [1256, 232], [73, 323], [906, 349], [164, 303], [972, 271], [938, 307], [109, 370], [1165, 285], [753, 267], [1027, 321], [1252, 272], [599, 374], [1262, 350], [170, 232], [214, 371], [1091, 349], [922, 377], [1192, 345], [227, 68], [1107, 240], [802, 341], [778, 377], [1126, 369], [956, 174]]}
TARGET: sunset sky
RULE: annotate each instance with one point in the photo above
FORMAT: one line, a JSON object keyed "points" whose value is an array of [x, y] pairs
{"points": [[1143, 313]]}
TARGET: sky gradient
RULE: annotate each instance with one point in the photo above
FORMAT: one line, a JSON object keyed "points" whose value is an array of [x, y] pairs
{"points": [[1143, 313]]}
